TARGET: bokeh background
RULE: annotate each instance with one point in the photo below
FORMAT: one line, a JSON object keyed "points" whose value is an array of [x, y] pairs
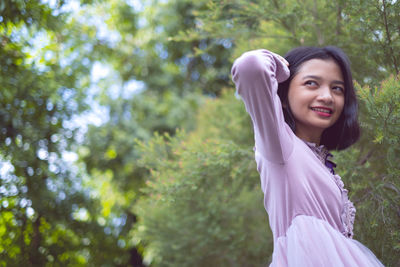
{"points": [[122, 142]]}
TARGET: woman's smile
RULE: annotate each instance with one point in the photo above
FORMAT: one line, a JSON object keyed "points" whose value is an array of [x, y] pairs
{"points": [[322, 111], [316, 98]]}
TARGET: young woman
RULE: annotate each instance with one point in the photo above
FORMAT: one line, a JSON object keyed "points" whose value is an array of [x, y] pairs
{"points": [[301, 107]]}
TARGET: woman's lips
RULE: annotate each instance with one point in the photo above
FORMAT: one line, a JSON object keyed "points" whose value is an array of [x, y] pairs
{"points": [[322, 111]]}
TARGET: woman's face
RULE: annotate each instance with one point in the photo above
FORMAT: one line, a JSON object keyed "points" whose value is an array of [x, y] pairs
{"points": [[316, 97]]}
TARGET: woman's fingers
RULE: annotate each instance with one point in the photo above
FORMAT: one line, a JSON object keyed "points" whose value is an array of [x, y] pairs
{"points": [[284, 61]]}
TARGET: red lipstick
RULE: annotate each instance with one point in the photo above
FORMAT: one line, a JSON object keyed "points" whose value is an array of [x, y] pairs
{"points": [[322, 111]]}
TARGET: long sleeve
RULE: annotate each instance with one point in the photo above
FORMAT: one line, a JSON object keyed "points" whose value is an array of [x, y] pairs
{"points": [[256, 75]]}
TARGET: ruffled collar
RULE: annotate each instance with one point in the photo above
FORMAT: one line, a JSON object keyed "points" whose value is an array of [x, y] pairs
{"points": [[323, 155]]}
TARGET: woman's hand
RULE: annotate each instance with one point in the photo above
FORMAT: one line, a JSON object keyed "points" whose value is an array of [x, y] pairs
{"points": [[284, 61]]}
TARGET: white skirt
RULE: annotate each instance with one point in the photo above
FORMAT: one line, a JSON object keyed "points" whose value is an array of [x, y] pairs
{"points": [[310, 241]]}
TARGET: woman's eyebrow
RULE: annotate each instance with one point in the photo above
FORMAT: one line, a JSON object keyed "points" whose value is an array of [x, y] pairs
{"points": [[338, 82], [319, 78], [312, 77]]}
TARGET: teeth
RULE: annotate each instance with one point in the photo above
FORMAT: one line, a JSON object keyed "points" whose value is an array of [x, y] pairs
{"points": [[322, 110]]}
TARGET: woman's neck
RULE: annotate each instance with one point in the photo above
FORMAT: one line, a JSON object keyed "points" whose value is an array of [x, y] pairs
{"points": [[312, 137]]}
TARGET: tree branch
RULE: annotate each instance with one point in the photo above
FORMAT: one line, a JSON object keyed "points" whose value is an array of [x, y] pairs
{"points": [[388, 37], [317, 29], [365, 158], [339, 18]]}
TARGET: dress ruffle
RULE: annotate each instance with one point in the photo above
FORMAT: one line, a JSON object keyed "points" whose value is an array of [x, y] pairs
{"points": [[308, 236], [348, 213]]}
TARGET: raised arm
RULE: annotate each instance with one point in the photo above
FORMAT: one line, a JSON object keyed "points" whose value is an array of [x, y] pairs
{"points": [[256, 75]]}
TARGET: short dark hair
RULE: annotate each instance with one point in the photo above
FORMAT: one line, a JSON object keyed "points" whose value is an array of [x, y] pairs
{"points": [[346, 130]]}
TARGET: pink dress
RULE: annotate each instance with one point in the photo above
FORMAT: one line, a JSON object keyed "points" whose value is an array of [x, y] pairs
{"points": [[309, 211]]}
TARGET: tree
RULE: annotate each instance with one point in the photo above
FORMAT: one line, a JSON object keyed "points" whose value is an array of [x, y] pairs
{"points": [[47, 216], [369, 36], [202, 203], [173, 76]]}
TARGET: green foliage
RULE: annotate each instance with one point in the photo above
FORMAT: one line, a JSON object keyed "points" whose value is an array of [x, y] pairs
{"points": [[369, 36], [202, 196], [203, 205], [31, 13], [225, 119], [371, 171], [167, 63], [109, 149], [383, 105], [47, 218], [54, 213], [173, 79]]}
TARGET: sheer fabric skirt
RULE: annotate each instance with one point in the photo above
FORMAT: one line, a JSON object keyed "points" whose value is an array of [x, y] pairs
{"points": [[314, 242]]}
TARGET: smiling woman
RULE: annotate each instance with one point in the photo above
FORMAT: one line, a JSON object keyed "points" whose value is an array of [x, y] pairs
{"points": [[300, 107], [316, 98], [322, 68]]}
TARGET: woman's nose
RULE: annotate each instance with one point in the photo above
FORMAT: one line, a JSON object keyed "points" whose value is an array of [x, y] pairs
{"points": [[325, 95]]}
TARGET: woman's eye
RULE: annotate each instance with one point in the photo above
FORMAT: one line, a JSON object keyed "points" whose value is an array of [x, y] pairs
{"points": [[338, 88], [311, 83]]}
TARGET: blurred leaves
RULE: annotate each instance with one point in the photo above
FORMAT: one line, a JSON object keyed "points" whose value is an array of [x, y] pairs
{"points": [[203, 200], [371, 170], [49, 216]]}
